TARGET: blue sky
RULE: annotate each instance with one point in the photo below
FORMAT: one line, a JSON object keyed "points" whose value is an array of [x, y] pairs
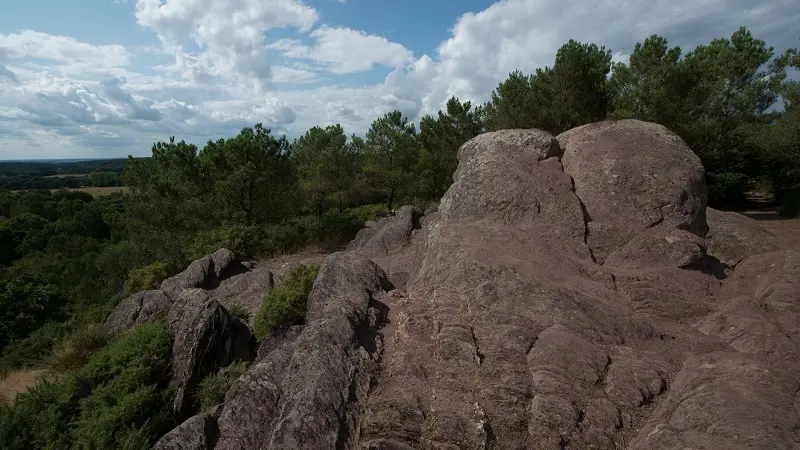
{"points": [[107, 78]]}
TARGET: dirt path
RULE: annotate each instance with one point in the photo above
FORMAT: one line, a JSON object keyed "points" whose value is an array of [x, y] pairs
{"points": [[16, 383], [766, 212]]}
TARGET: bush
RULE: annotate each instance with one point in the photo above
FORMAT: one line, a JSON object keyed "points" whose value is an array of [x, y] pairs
{"points": [[286, 304], [239, 312], [74, 351], [31, 351], [240, 239], [213, 388], [367, 212], [26, 305], [119, 399], [146, 278]]}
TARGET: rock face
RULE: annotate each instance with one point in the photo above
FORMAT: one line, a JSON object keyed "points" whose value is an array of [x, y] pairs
{"points": [[551, 315], [205, 273], [142, 307], [205, 339], [311, 391], [228, 281], [196, 433], [732, 237], [632, 175], [563, 295], [386, 235]]}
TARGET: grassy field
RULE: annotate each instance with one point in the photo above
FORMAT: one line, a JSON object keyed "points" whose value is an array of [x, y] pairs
{"points": [[67, 175], [99, 191]]}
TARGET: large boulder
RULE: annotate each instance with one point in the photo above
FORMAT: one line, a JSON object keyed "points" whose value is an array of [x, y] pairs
{"points": [[510, 335], [204, 273], [513, 179], [387, 234], [733, 237], [142, 307], [198, 432], [245, 290], [659, 246], [309, 392], [205, 339], [631, 175]]}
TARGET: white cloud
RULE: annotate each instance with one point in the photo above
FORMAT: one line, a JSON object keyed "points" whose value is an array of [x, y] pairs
{"points": [[229, 34], [287, 74], [525, 34], [345, 50], [5, 72], [72, 55], [62, 97]]}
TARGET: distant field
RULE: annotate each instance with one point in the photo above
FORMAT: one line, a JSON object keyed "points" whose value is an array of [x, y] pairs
{"points": [[67, 175], [98, 191]]}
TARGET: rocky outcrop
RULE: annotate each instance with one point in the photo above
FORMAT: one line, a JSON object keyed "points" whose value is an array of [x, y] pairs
{"points": [[565, 294], [247, 290], [547, 314], [229, 281], [205, 339], [387, 234], [733, 237], [199, 432], [142, 307], [386, 242], [205, 273], [310, 392], [631, 175]]}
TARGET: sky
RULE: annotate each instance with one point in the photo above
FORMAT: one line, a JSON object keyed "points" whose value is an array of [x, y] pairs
{"points": [[108, 78]]}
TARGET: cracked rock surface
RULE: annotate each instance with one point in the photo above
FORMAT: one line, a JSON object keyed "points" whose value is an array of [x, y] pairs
{"points": [[565, 294]]}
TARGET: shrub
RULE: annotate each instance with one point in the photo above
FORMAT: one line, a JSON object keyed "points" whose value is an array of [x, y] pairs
{"points": [[33, 350], [75, 350], [242, 240], [119, 399], [367, 212], [286, 304], [213, 388], [25, 305], [146, 278], [240, 312]]}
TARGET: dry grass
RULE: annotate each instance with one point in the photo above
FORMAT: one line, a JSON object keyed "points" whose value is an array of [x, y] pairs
{"points": [[18, 382], [67, 175], [98, 191]]}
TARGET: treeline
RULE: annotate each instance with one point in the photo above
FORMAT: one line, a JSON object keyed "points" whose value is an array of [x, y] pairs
{"points": [[19, 175], [66, 258]]}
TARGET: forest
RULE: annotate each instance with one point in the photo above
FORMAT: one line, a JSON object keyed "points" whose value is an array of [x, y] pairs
{"points": [[19, 175], [66, 258]]}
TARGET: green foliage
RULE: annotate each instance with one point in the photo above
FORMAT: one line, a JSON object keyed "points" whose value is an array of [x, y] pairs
{"points": [[33, 350], [365, 213], [146, 278], [717, 97], [441, 138], [25, 306], [74, 351], [573, 92], [249, 177], [286, 304], [213, 388], [239, 312], [326, 165], [391, 149], [118, 398]]}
